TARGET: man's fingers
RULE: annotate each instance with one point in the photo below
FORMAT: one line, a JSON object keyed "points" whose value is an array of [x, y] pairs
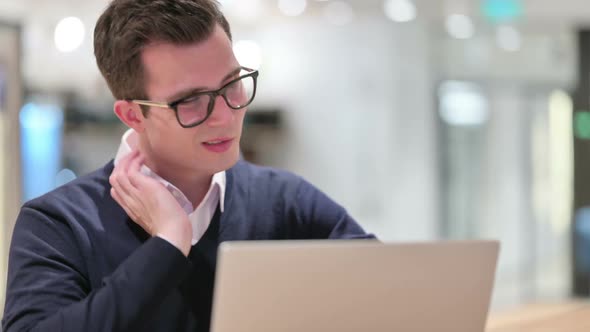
{"points": [[134, 170], [131, 207], [121, 179], [131, 212], [119, 170], [117, 197], [130, 190], [124, 162], [140, 181], [128, 160]]}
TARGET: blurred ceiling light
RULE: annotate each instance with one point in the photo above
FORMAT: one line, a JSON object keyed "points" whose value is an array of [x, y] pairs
{"points": [[460, 26], [508, 38], [561, 156], [245, 10], [248, 53], [292, 7], [224, 3], [462, 104], [339, 13], [502, 10], [400, 10], [69, 34]]}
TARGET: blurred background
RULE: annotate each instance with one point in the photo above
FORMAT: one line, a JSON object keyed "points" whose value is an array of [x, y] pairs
{"points": [[426, 119]]}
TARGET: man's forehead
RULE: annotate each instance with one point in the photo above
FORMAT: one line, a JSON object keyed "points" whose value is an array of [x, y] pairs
{"points": [[215, 47], [170, 68]]}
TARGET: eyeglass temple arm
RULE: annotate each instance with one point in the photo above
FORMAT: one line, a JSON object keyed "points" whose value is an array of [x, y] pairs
{"points": [[150, 103]]}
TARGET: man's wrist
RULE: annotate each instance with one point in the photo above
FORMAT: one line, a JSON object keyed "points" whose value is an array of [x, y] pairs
{"points": [[178, 243]]}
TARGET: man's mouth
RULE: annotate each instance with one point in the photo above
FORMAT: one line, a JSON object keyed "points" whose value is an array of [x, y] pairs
{"points": [[218, 144], [214, 142]]}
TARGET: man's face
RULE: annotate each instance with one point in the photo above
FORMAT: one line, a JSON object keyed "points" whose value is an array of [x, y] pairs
{"points": [[172, 71]]}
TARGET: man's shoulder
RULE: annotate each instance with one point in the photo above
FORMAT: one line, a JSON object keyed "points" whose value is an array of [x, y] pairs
{"points": [[83, 192], [257, 174]]}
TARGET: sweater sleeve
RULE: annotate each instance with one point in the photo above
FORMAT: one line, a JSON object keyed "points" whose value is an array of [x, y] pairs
{"points": [[325, 218], [48, 288]]}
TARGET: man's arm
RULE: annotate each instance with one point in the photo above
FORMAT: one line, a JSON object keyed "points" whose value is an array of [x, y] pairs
{"points": [[48, 289], [325, 218]]}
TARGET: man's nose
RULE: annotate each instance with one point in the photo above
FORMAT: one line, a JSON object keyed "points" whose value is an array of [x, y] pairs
{"points": [[222, 114]]}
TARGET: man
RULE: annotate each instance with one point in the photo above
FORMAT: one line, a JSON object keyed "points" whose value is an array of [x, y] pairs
{"points": [[132, 247]]}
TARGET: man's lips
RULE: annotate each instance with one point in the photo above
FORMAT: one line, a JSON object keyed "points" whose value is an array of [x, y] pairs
{"points": [[218, 145], [219, 140]]}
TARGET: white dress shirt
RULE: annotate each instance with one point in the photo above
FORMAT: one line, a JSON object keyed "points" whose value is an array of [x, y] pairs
{"points": [[200, 217]]}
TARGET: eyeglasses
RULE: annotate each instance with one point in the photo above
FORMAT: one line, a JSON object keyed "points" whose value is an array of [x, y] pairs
{"points": [[196, 108]]}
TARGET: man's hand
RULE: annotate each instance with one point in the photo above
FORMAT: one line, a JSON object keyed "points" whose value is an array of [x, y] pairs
{"points": [[149, 204]]}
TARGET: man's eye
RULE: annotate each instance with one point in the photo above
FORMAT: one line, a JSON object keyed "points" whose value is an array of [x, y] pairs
{"points": [[192, 100]]}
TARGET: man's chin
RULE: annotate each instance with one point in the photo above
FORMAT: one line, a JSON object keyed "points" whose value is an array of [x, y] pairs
{"points": [[223, 164], [228, 165]]}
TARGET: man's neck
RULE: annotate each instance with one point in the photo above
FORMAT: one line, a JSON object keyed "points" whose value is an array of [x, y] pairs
{"points": [[193, 185]]}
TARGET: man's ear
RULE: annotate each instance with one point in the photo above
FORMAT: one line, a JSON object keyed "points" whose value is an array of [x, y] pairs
{"points": [[130, 114]]}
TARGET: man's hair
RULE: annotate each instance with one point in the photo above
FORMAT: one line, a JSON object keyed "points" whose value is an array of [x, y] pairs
{"points": [[127, 26]]}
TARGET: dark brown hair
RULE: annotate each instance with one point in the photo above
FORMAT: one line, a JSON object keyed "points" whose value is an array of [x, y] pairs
{"points": [[127, 26]]}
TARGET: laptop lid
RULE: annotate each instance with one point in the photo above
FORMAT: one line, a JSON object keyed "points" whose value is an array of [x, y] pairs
{"points": [[353, 285]]}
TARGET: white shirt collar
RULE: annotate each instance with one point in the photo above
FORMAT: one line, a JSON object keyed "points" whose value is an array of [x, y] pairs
{"points": [[201, 215]]}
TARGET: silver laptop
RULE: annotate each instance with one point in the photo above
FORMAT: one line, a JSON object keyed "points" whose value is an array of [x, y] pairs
{"points": [[356, 285]]}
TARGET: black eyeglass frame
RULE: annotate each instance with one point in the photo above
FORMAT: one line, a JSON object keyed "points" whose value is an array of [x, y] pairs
{"points": [[213, 94]]}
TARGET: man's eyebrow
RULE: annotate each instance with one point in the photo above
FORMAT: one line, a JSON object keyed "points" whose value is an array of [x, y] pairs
{"points": [[187, 92]]}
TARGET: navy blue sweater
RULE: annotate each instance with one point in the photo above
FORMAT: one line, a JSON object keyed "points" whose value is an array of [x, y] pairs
{"points": [[78, 263]]}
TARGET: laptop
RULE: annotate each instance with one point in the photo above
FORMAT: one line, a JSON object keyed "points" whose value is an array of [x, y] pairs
{"points": [[353, 285]]}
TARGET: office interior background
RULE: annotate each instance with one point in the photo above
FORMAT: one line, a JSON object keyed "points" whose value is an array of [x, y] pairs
{"points": [[426, 119]]}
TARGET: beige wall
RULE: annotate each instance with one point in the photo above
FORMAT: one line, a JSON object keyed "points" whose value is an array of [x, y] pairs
{"points": [[9, 144]]}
